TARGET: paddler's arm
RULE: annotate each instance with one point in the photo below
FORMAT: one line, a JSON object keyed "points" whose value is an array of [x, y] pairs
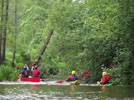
{"points": [[32, 68], [27, 66], [76, 77]]}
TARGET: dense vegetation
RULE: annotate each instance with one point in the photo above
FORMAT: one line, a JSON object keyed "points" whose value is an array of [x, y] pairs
{"points": [[89, 35]]}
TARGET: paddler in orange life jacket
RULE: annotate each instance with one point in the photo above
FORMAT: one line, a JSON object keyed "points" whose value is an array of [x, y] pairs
{"points": [[73, 77], [105, 78], [35, 72]]}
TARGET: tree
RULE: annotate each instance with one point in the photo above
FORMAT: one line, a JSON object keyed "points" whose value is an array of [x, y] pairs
{"points": [[15, 34], [5, 31], [1, 28], [44, 47]]}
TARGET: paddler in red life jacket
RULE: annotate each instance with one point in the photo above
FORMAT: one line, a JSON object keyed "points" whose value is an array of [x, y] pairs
{"points": [[105, 78], [35, 72], [73, 77]]}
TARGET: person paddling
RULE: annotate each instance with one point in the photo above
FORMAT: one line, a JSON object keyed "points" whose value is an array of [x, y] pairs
{"points": [[73, 77], [105, 78], [35, 72], [24, 72]]}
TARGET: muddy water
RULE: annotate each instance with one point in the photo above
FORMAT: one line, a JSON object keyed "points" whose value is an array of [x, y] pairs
{"points": [[51, 91]]}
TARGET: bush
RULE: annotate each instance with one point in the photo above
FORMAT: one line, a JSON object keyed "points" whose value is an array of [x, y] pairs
{"points": [[8, 73], [1, 76], [13, 76]]}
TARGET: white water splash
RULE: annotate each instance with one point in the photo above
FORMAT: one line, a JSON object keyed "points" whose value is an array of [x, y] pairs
{"points": [[41, 83]]}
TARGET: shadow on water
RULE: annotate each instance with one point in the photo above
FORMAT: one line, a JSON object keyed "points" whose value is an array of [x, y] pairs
{"points": [[64, 92], [119, 92]]}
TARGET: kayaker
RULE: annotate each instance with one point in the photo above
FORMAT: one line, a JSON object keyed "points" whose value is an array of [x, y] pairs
{"points": [[105, 78], [24, 72], [35, 72], [73, 77]]}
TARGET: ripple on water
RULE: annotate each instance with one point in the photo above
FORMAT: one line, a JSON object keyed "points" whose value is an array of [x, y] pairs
{"points": [[51, 91]]}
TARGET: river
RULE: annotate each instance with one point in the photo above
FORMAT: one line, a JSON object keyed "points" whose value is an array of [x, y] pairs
{"points": [[51, 91]]}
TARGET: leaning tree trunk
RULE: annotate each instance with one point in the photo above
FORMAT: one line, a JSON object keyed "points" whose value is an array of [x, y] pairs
{"points": [[5, 31], [1, 30], [44, 48], [15, 33]]}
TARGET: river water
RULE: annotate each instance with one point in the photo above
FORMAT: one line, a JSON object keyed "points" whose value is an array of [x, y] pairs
{"points": [[51, 91]]}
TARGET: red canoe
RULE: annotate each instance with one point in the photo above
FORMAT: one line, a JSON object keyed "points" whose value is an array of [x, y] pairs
{"points": [[37, 79]]}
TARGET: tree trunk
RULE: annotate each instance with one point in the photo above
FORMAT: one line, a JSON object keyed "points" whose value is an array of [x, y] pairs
{"points": [[44, 48], [15, 34], [5, 31], [1, 28]]}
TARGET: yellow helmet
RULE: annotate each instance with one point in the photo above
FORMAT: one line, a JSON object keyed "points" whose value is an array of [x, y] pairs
{"points": [[104, 73], [73, 72]]}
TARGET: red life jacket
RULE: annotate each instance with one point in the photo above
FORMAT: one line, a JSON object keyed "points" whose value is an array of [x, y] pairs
{"points": [[35, 73], [105, 79]]}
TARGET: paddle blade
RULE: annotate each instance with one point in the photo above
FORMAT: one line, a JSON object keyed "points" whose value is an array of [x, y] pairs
{"points": [[60, 82], [85, 73]]}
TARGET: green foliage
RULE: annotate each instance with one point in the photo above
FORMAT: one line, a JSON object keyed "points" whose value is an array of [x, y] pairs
{"points": [[8, 59], [1, 76], [88, 36], [13, 76], [8, 73]]}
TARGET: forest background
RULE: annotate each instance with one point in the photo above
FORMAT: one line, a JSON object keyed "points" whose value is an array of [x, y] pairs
{"points": [[89, 35]]}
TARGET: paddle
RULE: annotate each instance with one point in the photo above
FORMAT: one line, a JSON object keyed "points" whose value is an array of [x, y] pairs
{"points": [[83, 74], [60, 82]]}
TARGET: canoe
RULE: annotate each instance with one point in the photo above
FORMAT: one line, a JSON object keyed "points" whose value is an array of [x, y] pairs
{"points": [[37, 79], [73, 82]]}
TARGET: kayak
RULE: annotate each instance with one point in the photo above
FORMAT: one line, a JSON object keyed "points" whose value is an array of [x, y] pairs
{"points": [[69, 83], [107, 84], [73, 82], [37, 79]]}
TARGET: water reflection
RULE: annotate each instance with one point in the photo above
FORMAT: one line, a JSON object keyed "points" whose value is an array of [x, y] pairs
{"points": [[120, 92], [35, 86], [73, 87], [105, 88], [64, 92]]}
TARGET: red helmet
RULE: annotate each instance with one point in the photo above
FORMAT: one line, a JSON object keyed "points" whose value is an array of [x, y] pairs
{"points": [[36, 67]]}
